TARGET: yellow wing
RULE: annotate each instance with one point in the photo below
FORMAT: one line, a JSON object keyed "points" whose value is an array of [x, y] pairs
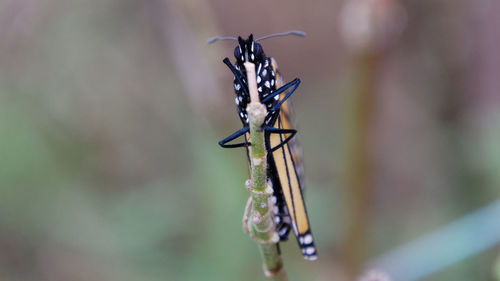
{"points": [[290, 176]]}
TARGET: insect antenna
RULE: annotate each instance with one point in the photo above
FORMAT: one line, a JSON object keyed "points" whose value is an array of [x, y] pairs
{"points": [[291, 32], [220, 38]]}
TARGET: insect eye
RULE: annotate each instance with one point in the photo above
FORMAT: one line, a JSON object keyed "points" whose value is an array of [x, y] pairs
{"points": [[258, 50]]}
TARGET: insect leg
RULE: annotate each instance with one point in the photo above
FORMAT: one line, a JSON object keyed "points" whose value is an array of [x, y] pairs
{"points": [[235, 135], [294, 84], [273, 130], [236, 74]]}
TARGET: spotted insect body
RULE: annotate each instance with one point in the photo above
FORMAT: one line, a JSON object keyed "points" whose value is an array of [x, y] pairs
{"points": [[250, 51]]}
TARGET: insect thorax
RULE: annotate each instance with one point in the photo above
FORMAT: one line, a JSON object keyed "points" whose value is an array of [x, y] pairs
{"points": [[266, 85]]}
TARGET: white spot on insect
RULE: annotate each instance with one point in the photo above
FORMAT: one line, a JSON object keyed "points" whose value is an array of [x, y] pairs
{"points": [[242, 114], [237, 87], [264, 72], [240, 98], [308, 239], [267, 84], [242, 58], [236, 100], [277, 97], [258, 79], [283, 231], [259, 89], [252, 56], [266, 64], [239, 48], [272, 82], [237, 67], [310, 250], [311, 258], [276, 220], [258, 68], [251, 48], [272, 73], [301, 240]]}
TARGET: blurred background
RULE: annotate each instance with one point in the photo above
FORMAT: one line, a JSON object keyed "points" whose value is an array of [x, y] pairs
{"points": [[110, 113]]}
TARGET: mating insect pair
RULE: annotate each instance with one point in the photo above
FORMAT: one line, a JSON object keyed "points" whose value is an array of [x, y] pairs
{"points": [[284, 166]]}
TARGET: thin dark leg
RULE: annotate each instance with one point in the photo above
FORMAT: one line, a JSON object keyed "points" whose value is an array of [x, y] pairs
{"points": [[236, 74], [235, 135], [295, 83], [273, 130]]}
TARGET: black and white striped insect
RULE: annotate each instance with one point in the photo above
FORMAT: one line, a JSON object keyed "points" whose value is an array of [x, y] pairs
{"points": [[284, 164]]}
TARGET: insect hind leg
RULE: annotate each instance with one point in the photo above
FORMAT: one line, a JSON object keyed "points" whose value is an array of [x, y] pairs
{"points": [[272, 130], [294, 84], [235, 135]]}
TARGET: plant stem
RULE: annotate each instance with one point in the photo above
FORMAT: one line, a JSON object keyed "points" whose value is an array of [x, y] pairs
{"points": [[261, 223], [358, 159]]}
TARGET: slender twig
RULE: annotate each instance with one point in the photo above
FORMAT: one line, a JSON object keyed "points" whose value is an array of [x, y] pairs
{"points": [[358, 159], [261, 224]]}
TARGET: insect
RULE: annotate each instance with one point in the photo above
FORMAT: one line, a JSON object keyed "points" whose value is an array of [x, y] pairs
{"points": [[284, 165]]}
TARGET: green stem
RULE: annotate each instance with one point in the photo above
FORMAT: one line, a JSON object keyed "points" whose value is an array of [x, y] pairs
{"points": [[261, 223], [358, 159]]}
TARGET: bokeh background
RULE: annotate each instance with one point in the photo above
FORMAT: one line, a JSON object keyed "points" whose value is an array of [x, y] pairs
{"points": [[110, 113]]}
